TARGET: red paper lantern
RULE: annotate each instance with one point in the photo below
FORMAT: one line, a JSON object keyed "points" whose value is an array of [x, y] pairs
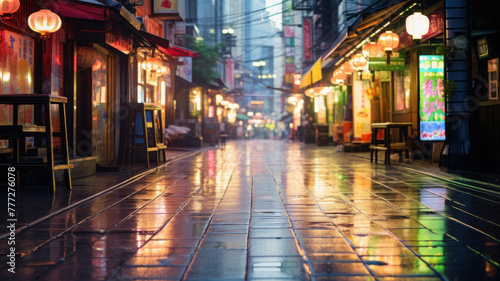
{"points": [[44, 22], [8, 6], [347, 67], [86, 57], [388, 40], [372, 50]]}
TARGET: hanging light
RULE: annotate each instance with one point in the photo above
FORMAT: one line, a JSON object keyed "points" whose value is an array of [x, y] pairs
{"points": [[44, 22], [163, 70], [372, 50], [152, 64], [359, 61], [310, 93], [86, 56], [388, 40], [8, 6], [417, 25]]}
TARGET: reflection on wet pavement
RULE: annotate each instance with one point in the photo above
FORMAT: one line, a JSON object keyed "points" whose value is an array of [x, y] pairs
{"points": [[269, 210]]}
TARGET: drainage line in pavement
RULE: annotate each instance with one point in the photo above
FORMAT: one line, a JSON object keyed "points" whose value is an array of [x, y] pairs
{"points": [[99, 194], [473, 187]]}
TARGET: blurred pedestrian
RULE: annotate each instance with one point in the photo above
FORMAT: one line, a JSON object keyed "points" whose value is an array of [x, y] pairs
{"points": [[223, 135]]}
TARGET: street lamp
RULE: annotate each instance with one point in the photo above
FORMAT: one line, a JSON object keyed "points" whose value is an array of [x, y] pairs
{"points": [[228, 31], [260, 65]]}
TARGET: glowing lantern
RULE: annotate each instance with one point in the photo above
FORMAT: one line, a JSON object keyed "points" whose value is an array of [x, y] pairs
{"points": [[8, 6], [86, 57], [292, 100], [44, 22], [310, 93], [417, 25], [358, 61], [388, 40], [163, 70], [372, 50], [153, 65]]}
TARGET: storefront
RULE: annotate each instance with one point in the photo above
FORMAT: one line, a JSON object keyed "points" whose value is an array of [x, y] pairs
{"points": [[409, 87]]}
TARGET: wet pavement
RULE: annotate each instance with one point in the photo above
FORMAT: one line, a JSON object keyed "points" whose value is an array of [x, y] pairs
{"points": [[267, 210]]}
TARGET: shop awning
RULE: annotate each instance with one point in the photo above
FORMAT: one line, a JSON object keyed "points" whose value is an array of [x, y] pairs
{"points": [[80, 9], [366, 26], [92, 10], [311, 75], [286, 90], [178, 51], [168, 49]]}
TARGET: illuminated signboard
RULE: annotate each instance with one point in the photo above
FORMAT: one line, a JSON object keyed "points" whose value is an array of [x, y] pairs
{"points": [[431, 98]]}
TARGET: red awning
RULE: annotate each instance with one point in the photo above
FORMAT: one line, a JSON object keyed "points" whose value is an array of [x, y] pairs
{"points": [[80, 9], [177, 51], [168, 49]]}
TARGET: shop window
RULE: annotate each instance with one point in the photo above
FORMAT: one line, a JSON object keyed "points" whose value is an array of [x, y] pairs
{"points": [[195, 102], [402, 89]]}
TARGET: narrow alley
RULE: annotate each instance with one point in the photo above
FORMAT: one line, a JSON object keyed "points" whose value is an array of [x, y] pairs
{"points": [[268, 210]]}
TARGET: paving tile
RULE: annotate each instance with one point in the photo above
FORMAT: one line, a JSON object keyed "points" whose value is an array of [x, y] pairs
{"points": [[339, 268], [218, 264]]}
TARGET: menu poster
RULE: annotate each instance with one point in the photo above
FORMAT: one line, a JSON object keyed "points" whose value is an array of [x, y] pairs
{"points": [[361, 108], [431, 110]]}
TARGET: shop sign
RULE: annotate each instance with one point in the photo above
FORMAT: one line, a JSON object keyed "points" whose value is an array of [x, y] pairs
{"points": [[119, 40], [431, 110], [482, 48], [229, 78], [380, 64], [436, 23], [168, 9], [184, 68], [307, 30], [289, 31], [493, 78]]}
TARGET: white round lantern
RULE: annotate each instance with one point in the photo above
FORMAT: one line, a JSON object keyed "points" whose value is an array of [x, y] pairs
{"points": [[8, 6], [44, 22], [417, 25]]}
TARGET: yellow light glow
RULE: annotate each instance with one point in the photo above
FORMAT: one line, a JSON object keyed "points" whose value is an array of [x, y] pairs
{"points": [[218, 99], [6, 77], [162, 92]]}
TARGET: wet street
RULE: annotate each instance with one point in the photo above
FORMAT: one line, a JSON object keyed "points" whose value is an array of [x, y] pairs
{"points": [[269, 210]]}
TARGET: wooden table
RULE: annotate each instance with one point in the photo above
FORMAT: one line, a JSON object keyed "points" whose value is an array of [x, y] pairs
{"points": [[17, 134], [387, 145]]}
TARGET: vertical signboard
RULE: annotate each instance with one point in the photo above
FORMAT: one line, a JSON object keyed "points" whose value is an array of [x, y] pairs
{"points": [[361, 108], [288, 23], [493, 78], [307, 41], [229, 79], [431, 98]]}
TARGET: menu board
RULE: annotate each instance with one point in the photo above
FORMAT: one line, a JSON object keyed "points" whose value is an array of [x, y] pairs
{"points": [[431, 110]]}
